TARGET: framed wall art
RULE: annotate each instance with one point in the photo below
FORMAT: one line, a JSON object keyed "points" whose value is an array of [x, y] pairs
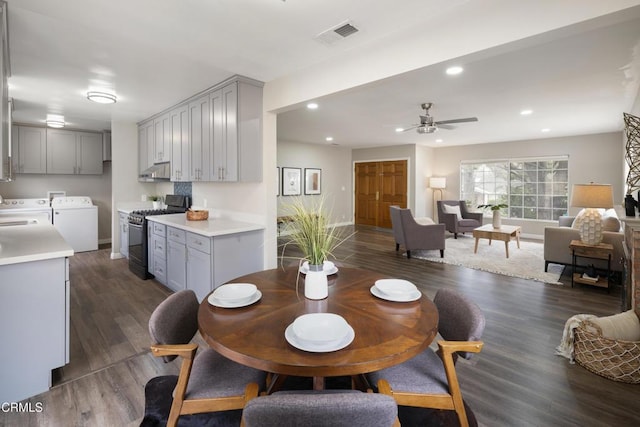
{"points": [[312, 181], [291, 181]]}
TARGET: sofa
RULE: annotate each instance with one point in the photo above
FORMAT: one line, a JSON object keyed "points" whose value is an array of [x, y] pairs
{"points": [[557, 240]]}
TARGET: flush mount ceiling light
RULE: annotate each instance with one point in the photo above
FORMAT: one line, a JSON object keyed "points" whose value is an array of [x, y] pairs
{"points": [[455, 70], [526, 112], [312, 106], [329, 138], [55, 121], [101, 97]]}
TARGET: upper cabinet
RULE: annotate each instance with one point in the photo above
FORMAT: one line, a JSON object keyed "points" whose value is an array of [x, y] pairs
{"points": [[146, 145], [180, 143], [162, 139], [5, 106], [74, 153], [200, 139], [29, 149], [223, 139]]}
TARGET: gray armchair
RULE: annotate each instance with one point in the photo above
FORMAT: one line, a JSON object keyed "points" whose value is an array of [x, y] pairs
{"points": [[468, 222], [411, 235]]}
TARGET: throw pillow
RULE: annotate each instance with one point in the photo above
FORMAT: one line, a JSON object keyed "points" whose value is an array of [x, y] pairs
{"points": [[623, 326], [610, 221], [452, 210], [425, 221]]}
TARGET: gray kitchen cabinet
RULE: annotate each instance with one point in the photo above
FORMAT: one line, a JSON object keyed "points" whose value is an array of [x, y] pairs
{"points": [[124, 234], [29, 149], [176, 259], [199, 139], [158, 246], [162, 139], [74, 153], [236, 132], [146, 145], [180, 143], [199, 272]]}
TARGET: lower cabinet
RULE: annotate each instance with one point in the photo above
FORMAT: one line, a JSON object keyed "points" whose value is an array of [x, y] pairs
{"points": [[176, 259], [158, 261], [201, 263]]}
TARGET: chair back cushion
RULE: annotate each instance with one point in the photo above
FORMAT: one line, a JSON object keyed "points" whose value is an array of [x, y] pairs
{"points": [[175, 320], [335, 408], [396, 224], [460, 318]]}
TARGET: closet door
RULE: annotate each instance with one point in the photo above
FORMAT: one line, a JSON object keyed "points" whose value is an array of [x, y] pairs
{"points": [[379, 185]]}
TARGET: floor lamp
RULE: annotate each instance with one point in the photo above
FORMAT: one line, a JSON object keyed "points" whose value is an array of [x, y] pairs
{"points": [[437, 183]]}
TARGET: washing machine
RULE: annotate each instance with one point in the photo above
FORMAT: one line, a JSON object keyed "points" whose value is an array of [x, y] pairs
{"points": [[76, 219]]}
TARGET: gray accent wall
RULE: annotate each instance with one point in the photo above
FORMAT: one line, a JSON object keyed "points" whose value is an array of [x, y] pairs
{"points": [[336, 180]]}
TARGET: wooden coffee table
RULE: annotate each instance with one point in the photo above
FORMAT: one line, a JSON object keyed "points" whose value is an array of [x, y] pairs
{"points": [[504, 233]]}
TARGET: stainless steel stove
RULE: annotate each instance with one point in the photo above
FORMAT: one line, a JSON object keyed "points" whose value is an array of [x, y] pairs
{"points": [[138, 255]]}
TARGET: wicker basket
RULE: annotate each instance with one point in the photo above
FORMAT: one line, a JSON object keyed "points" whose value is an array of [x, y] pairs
{"points": [[197, 215], [616, 360]]}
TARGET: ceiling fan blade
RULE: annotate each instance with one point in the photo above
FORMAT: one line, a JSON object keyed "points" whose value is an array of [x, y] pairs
{"points": [[448, 127], [411, 127], [465, 120]]}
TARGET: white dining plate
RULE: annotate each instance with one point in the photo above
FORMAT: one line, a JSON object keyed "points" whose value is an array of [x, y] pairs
{"points": [[235, 293], [292, 339], [320, 328], [223, 304], [329, 268], [411, 296], [395, 287]]}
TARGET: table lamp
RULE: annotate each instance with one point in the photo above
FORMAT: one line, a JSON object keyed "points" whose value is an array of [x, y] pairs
{"points": [[591, 197]]}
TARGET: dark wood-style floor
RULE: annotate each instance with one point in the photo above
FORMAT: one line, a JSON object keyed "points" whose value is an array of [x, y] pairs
{"points": [[516, 380]]}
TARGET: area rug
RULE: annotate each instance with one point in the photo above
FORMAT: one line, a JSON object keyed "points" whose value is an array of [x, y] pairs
{"points": [[525, 263], [158, 404]]}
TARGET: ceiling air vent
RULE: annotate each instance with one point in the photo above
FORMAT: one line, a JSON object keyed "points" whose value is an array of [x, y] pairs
{"points": [[336, 33]]}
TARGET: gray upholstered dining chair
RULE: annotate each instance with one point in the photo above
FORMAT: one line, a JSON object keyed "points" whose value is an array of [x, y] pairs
{"points": [[412, 235], [327, 408], [429, 380], [207, 382], [454, 223]]}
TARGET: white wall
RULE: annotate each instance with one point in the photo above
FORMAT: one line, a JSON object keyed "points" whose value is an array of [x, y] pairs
{"points": [[98, 187], [125, 187], [594, 158], [336, 184]]}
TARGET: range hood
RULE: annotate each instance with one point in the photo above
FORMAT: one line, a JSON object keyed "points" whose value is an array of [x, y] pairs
{"points": [[157, 172]]}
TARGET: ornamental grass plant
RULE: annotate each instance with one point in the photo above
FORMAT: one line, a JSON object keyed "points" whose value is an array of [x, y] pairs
{"points": [[308, 228]]}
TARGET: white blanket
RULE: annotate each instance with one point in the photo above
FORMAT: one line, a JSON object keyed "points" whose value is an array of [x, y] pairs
{"points": [[565, 349]]}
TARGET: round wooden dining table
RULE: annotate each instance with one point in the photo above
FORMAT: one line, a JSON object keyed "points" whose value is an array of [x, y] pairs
{"points": [[386, 333]]}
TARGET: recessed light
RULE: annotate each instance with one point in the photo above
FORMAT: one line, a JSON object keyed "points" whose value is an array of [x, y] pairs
{"points": [[55, 121], [438, 140], [312, 106], [455, 70], [545, 130], [101, 97], [399, 129], [329, 138], [526, 112]]}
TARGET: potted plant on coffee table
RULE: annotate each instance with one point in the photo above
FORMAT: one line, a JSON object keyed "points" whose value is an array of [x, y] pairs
{"points": [[495, 209]]}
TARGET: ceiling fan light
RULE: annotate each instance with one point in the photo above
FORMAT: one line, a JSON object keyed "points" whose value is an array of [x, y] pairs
{"points": [[101, 97]]}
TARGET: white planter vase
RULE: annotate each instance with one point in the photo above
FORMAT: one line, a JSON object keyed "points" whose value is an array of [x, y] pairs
{"points": [[316, 285], [156, 204], [497, 220]]}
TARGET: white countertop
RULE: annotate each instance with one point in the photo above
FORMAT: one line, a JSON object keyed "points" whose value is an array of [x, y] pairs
{"points": [[25, 243], [210, 228], [128, 207]]}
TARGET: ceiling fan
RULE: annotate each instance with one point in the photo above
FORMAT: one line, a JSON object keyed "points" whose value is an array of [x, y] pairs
{"points": [[429, 125]]}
